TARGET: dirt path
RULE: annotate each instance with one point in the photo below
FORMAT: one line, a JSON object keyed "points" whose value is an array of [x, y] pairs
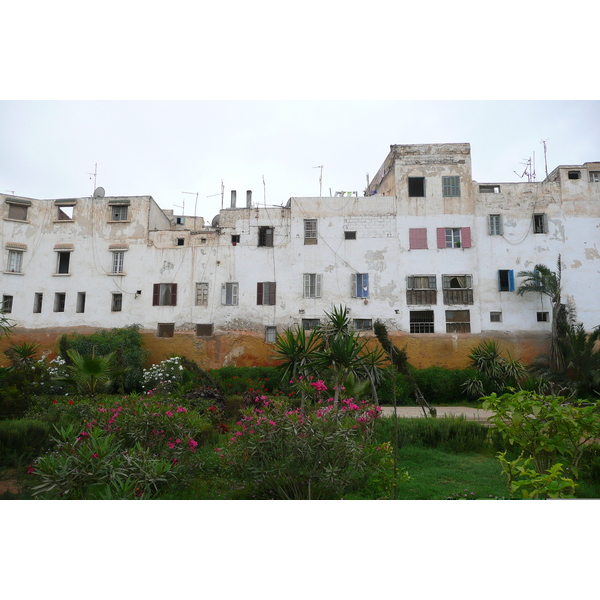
{"points": [[471, 414]]}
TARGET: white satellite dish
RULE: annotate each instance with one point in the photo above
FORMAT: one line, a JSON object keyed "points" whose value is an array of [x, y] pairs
{"points": [[99, 192]]}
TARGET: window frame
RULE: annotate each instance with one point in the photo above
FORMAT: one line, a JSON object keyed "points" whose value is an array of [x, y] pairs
{"points": [[311, 231], [308, 324], [418, 185], [543, 316], [266, 235], [594, 177], [498, 316], [454, 237], [458, 326], [210, 329], [7, 304], [266, 293], [201, 298], [312, 285], [540, 223], [38, 302], [164, 294], [165, 330], [451, 293], [60, 302], [451, 186], [118, 262], [360, 285], [16, 257], [16, 207], [495, 224], [60, 258], [81, 300], [362, 324], [506, 280], [423, 325], [271, 334], [349, 235], [419, 295], [116, 302], [116, 211], [230, 293]]}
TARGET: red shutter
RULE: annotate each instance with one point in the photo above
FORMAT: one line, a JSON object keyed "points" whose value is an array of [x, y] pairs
{"points": [[173, 294], [441, 237], [417, 238], [272, 293], [466, 237], [259, 293], [156, 294]]}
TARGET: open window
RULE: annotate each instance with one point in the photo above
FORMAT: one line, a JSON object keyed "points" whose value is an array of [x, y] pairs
{"points": [[265, 236], [266, 293], [458, 289], [416, 187], [454, 237], [230, 294], [506, 280], [540, 223], [360, 285], [164, 294]]}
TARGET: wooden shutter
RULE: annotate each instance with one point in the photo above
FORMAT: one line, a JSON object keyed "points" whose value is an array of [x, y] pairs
{"points": [[466, 237], [318, 279], [259, 293], [354, 285], [441, 237], [272, 294], [173, 294], [156, 294], [307, 285]]}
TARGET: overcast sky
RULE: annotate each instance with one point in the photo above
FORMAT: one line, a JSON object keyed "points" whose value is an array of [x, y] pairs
{"points": [[165, 148]]}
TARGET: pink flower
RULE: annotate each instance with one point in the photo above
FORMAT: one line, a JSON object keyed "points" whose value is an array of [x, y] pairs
{"points": [[178, 441], [31, 469], [171, 445], [218, 450], [169, 413], [192, 444], [95, 455], [272, 423], [181, 409]]}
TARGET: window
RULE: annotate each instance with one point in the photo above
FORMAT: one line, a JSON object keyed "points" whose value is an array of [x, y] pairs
{"points": [[235, 240], [363, 324], [421, 289], [117, 303], [458, 321], [65, 213], [542, 317], [540, 223], [17, 212], [179, 241], [312, 285], [594, 176], [457, 289], [489, 189], [179, 220], [416, 187], [495, 224], [417, 238], [574, 174], [62, 263], [495, 317], [310, 323], [117, 262], [360, 285], [204, 329], [15, 261], [450, 186], [229, 294], [7, 304], [80, 306], [270, 334], [265, 293], [119, 213], [59, 301], [38, 299], [202, 294], [265, 236], [421, 321], [310, 231], [164, 294], [506, 281], [165, 330], [454, 237], [349, 235]]}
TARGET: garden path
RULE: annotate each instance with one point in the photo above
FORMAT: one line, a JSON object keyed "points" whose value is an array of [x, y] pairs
{"points": [[471, 414]]}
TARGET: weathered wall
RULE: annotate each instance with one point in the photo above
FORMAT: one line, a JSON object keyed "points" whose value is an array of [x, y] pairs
{"points": [[240, 348]]}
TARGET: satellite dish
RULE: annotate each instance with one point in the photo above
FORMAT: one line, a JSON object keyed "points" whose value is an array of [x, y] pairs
{"points": [[99, 192], [215, 221]]}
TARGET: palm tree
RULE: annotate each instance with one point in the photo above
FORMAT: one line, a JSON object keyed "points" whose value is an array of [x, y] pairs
{"points": [[91, 374], [545, 282]]}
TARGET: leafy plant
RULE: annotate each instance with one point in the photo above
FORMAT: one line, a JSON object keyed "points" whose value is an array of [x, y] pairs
{"points": [[90, 374], [21, 356]]}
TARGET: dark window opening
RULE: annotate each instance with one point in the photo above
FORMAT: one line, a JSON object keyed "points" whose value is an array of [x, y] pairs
{"points": [[416, 187], [38, 299], [489, 189], [310, 323], [165, 330], [542, 317], [80, 306], [495, 317], [540, 223], [59, 302], [349, 235], [574, 174], [180, 242], [117, 303], [63, 262], [7, 304], [265, 236], [506, 281], [204, 329], [235, 239], [421, 321], [458, 321]]}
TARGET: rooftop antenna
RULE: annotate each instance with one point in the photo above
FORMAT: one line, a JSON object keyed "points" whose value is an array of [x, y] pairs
{"points": [[264, 192], [320, 180], [94, 174], [545, 159], [222, 194], [195, 203], [527, 172]]}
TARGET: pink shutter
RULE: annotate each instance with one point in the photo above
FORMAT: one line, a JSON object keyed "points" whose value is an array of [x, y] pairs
{"points": [[466, 237], [441, 237], [418, 238]]}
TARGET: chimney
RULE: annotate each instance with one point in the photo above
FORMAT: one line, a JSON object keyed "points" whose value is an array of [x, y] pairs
{"points": [[233, 195], [249, 199]]}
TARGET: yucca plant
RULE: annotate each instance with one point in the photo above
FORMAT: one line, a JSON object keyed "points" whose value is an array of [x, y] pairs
{"points": [[21, 356]]}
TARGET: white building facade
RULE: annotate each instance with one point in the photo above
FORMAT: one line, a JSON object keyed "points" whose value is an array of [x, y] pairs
{"points": [[426, 250]]}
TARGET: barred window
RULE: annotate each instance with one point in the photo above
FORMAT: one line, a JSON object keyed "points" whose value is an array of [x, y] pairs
{"points": [[421, 321]]}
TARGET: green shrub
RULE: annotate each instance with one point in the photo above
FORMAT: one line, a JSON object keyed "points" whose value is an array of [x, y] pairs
{"points": [[442, 386], [386, 389], [23, 437], [125, 342], [239, 380], [456, 434]]}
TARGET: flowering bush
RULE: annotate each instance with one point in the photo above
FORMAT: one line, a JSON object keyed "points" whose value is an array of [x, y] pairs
{"points": [[164, 377], [287, 454]]}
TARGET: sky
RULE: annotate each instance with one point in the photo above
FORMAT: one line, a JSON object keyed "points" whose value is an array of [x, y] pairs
{"points": [[51, 149]]}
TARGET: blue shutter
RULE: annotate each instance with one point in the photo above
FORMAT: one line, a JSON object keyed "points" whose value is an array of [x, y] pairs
{"points": [[511, 281]]}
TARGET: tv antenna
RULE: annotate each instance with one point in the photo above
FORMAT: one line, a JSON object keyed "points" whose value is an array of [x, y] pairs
{"points": [[545, 159], [222, 194], [94, 174], [195, 203], [264, 191], [529, 171], [320, 180]]}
